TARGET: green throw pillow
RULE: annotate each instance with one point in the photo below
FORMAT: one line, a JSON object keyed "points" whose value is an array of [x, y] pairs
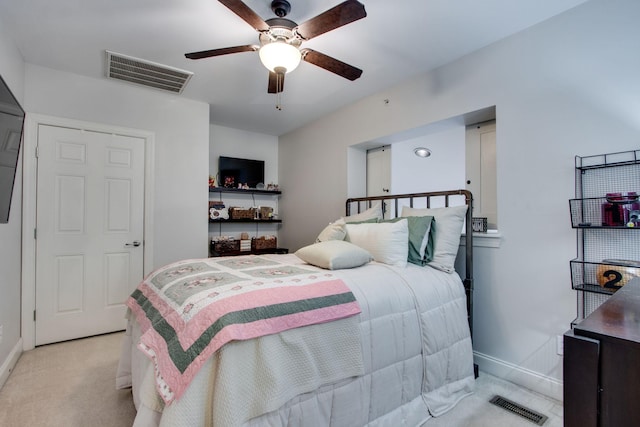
{"points": [[421, 239]]}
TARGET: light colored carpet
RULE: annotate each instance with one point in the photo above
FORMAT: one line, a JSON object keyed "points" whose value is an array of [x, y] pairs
{"points": [[67, 384], [73, 384]]}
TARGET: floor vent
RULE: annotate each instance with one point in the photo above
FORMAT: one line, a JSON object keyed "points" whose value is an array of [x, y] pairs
{"points": [[520, 410], [146, 73]]}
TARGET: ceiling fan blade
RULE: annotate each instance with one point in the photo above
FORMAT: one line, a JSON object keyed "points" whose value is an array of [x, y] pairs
{"points": [[222, 51], [245, 12], [275, 86], [331, 64], [343, 14]]}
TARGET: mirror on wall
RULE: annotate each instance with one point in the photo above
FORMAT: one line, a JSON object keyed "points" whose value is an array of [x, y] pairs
{"points": [[11, 125]]}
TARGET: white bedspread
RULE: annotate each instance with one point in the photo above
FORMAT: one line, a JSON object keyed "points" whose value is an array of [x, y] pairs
{"points": [[416, 355]]}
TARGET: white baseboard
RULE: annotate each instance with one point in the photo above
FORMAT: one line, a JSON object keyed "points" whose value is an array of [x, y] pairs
{"points": [[535, 381], [10, 363]]}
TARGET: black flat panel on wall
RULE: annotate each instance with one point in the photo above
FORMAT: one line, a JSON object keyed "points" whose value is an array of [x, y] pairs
{"points": [[233, 171]]}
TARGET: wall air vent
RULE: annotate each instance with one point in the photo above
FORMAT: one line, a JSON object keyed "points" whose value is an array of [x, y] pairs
{"points": [[146, 73]]}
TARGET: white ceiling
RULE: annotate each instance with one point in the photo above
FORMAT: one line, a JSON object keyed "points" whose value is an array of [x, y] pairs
{"points": [[397, 40]]}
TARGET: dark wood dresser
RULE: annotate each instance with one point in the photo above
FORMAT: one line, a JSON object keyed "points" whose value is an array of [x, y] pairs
{"points": [[602, 364]]}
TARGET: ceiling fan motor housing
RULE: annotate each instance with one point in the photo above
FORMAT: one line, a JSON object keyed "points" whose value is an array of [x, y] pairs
{"points": [[281, 8], [281, 29]]}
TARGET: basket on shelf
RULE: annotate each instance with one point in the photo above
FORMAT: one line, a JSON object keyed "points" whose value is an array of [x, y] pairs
{"points": [[242, 213], [264, 242], [225, 245]]}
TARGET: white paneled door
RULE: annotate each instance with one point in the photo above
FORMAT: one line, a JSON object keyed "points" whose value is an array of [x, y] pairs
{"points": [[89, 235], [379, 171]]}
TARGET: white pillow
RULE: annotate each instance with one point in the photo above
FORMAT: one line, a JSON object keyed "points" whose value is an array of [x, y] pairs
{"points": [[333, 231], [334, 255], [448, 228], [387, 242], [374, 212]]}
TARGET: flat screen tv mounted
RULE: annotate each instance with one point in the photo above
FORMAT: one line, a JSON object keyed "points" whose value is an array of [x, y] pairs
{"points": [[233, 171], [11, 127]]}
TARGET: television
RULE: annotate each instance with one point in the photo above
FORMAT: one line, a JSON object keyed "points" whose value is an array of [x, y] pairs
{"points": [[233, 171], [11, 126]]}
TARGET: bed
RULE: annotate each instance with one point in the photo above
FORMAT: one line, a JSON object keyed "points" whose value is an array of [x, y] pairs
{"points": [[348, 331]]}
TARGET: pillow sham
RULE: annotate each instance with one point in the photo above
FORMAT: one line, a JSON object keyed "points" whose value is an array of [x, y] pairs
{"points": [[334, 255], [387, 242], [420, 238], [448, 228], [374, 212], [333, 231]]}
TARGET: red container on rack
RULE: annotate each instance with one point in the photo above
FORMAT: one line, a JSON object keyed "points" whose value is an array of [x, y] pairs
{"points": [[620, 209], [613, 211]]}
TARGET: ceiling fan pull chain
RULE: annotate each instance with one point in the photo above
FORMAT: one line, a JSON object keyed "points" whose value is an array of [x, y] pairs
{"points": [[279, 86]]}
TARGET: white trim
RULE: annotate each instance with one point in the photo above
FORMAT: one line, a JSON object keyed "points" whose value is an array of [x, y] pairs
{"points": [[484, 240], [539, 383], [10, 362], [29, 192]]}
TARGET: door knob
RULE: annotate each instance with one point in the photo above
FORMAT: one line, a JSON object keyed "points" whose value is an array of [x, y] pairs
{"points": [[135, 244]]}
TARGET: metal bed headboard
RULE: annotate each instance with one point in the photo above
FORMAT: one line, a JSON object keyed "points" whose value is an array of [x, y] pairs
{"points": [[441, 199]]}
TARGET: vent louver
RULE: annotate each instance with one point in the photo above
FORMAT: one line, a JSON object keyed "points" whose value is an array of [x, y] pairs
{"points": [[520, 410], [146, 73]]}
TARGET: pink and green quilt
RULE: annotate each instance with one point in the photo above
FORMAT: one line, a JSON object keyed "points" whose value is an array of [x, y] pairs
{"points": [[189, 309]]}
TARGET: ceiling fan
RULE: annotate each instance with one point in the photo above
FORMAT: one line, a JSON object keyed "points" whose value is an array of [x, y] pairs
{"points": [[280, 39]]}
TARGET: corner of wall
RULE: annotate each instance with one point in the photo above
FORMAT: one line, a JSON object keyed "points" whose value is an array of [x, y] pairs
{"points": [[10, 363], [534, 381]]}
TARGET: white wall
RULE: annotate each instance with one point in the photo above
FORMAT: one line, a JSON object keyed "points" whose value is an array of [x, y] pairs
{"points": [[12, 71], [443, 169], [181, 129], [565, 87], [230, 142]]}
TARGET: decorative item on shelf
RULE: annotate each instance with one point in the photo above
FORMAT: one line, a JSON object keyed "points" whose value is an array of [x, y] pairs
{"points": [[479, 224], [225, 244], [217, 210], [241, 213], [259, 186], [632, 213], [245, 245], [212, 181], [621, 209], [266, 212], [264, 242], [615, 273], [272, 187], [229, 181]]}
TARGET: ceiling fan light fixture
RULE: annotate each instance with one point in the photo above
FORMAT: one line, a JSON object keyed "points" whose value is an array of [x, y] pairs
{"points": [[280, 54]]}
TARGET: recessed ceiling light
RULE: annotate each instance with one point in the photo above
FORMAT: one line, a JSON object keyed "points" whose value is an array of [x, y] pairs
{"points": [[422, 152]]}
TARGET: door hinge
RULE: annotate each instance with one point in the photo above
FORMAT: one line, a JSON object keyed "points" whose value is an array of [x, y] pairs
{"points": [[37, 151], [34, 315], [35, 233]]}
